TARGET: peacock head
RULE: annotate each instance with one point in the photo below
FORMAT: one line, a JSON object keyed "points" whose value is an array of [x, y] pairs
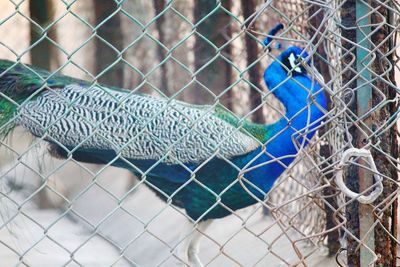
{"points": [[292, 60], [292, 76]]}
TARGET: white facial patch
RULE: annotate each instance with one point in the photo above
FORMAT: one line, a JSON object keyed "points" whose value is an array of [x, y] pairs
{"points": [[292, 60]]}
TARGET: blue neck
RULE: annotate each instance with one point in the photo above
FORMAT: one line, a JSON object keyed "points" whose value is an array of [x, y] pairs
{"points": [[292, 132], [302, 115]]}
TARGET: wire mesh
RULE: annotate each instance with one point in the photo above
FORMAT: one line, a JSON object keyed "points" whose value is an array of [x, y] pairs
{"points": [[62, 209]]}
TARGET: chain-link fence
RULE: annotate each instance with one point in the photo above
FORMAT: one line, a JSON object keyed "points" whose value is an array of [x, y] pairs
{"points": [[298, 167]]}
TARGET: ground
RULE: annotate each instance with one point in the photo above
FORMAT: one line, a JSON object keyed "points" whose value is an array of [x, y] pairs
{"points": [[68, 240], [92, 221]]}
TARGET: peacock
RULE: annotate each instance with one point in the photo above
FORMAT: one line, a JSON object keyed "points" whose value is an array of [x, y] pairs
{"points": [[200, 158]]}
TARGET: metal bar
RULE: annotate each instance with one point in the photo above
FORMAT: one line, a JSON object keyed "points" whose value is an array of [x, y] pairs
{"points": [[364, 98]]}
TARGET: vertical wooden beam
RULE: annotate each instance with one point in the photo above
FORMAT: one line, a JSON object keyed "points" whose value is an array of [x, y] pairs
{"points": [[316, 15], [348, 38], [359, 18], [110, 30], [159, 6], [43, 54], [255, 72], [216, 28], [385, 245]]}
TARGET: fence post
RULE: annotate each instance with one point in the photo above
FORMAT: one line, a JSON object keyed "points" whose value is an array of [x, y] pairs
{"points": [[366, 36], [385, 142], [348, 38], [314, 28], [355, 22], [364, 106]]}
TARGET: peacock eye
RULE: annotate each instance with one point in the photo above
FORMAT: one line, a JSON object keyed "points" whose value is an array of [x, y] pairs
{"points": [[294, 63]]}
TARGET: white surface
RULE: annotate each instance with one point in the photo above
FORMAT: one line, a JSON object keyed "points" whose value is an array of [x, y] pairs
{"points": [[148, 243], [53, 243], [137, 223]]}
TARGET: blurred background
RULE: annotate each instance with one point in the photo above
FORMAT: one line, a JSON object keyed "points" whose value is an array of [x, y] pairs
{"points": [[65, 213]]}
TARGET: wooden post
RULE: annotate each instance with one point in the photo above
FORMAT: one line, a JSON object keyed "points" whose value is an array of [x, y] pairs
{"points": [[385, 245], [43, 54], [316, 15], [110, 31], [159, 6], [215, 74], [348, 37], [374, 224], [249, 7]]}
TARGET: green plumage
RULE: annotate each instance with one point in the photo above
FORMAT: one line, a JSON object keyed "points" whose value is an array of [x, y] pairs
{"points": [[259, 131]]}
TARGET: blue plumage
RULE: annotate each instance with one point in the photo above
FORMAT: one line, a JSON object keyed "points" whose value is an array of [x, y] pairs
{"points": [[295, 91], [267, 41], [212, 187], [188, 153], [201, 158]]}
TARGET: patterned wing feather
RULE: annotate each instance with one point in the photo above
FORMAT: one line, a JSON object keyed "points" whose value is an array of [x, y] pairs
{"points": [[134, 126]]}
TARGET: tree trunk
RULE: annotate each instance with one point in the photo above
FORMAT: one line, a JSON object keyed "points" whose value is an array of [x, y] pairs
{"points": [[215, 74], [348, 20], [385, 246], [159, 6], [255, 73], [371, 84], [111, 33], [316, 15], [43, 54]]}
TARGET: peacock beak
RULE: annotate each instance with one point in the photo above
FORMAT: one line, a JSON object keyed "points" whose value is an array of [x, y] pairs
{"points": [[312, 71], [317, 75]]}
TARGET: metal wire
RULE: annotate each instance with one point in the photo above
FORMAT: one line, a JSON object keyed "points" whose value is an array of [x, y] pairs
{"points": [[62, 211]]}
